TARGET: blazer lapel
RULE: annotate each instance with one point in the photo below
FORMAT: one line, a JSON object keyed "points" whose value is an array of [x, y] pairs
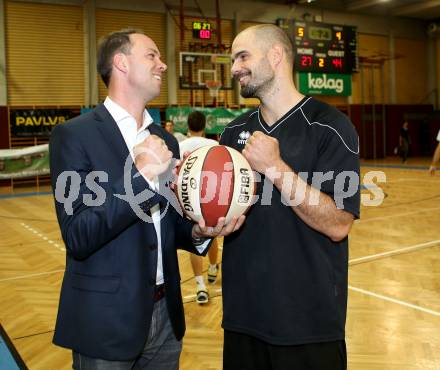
{"points": [[155, 130], [111, 133], [115, 140], [164, 207]]}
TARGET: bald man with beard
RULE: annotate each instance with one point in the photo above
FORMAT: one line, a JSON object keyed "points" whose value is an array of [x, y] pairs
{"points": [[285, 271]]}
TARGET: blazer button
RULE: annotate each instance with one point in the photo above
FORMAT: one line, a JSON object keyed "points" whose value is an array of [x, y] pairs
{"points": [[152, 281], [153, 247]]}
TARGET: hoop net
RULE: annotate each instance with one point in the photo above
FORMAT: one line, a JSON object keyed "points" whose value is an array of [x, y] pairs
{"points": [[213, 87]]}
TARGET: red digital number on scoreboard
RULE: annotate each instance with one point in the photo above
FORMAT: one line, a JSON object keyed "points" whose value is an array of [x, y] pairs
{"points": [[306, 60], [337, 63], [205, 34]]}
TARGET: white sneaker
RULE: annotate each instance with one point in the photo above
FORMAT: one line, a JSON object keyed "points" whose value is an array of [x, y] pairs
{"points": [[212, 274], [202, 296]]}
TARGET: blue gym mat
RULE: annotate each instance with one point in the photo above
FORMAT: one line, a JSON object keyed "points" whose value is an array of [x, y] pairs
{"points": [[9, 357]]}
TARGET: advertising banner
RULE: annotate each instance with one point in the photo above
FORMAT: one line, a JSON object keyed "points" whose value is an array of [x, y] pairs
{"points": [[216, 118], [37, 122], [324, 84], [27, 162]]}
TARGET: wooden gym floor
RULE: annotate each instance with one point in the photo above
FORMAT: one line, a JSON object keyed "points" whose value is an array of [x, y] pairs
{"points": [[394, 277]]}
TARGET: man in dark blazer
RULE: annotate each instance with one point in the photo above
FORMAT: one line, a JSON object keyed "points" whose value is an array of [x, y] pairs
{"points": [[120, 305]]}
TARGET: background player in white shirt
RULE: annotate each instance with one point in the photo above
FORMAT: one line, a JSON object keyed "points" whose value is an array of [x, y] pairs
{"points": [[196, 139]]}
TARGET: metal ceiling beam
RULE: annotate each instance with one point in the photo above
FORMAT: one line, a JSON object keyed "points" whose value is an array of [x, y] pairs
{"points": [[362, 4], [192, 9], [420, 6]]}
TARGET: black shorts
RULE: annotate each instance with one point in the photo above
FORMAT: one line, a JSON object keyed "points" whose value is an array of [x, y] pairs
{"points": [[243, 352]]}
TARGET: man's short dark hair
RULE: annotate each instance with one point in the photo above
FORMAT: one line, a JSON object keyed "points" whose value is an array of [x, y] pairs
{"points": [[196, 121], [115, 42], [269, 34]]}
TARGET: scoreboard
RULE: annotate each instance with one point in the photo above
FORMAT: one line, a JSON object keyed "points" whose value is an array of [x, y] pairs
{"points": [[320, 47], [201, 30]]}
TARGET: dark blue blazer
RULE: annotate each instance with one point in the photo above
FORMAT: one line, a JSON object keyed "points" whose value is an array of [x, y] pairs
{"points": [[106, 298]]}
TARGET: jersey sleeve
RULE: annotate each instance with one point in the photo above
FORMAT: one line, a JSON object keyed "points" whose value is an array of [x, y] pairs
{"points": [[225, 137], [337, 172]]}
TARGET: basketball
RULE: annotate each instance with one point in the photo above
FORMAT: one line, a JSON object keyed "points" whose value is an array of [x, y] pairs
{"points": [[215, 181]]}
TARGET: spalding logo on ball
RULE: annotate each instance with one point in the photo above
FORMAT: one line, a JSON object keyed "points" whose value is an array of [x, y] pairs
{"points": [[215, 181]]}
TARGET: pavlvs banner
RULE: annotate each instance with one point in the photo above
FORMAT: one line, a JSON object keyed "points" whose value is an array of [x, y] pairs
{"points": [[38, 122]]}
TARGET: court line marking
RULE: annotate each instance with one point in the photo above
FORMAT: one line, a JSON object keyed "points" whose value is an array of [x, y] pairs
{"points": [[24, 195], [217, 292], [31, 275], [45, 238], [413, 179], [351, 262], [362, 221], [192, 297], [393, 300], [394, 252], [355, 261], [395, 166], [34, 335]]}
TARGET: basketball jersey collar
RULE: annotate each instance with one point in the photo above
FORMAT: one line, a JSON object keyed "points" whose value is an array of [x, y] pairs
{"points": [[269, 129]]}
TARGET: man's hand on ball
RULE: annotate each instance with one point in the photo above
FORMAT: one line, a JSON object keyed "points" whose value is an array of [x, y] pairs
{"points": [[262, 152], [152, 157], [200, 230], [176, 169]]}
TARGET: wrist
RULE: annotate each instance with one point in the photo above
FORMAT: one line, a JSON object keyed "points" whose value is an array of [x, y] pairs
{"points": [[281, 169], [197, 238]]}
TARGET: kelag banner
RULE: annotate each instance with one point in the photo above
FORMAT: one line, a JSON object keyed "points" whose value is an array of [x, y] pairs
{"points": [[324, 84], [216, 118], [27, 162], [37, 122]]}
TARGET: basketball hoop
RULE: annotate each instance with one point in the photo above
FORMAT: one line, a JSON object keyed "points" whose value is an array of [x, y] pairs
{"points": [[213, 87]]}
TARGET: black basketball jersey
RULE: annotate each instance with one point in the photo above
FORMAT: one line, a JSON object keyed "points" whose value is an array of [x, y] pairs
{"points": [[283, 281]]}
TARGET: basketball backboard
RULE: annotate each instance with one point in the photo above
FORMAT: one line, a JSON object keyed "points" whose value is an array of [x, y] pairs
{"points": [[196, 68]]}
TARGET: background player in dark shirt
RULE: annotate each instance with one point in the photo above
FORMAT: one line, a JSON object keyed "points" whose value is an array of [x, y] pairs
{"points": [[285, 271], [404, 142]]}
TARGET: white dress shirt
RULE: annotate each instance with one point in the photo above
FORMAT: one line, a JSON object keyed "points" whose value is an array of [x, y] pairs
{"points": [[133, 136]]}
